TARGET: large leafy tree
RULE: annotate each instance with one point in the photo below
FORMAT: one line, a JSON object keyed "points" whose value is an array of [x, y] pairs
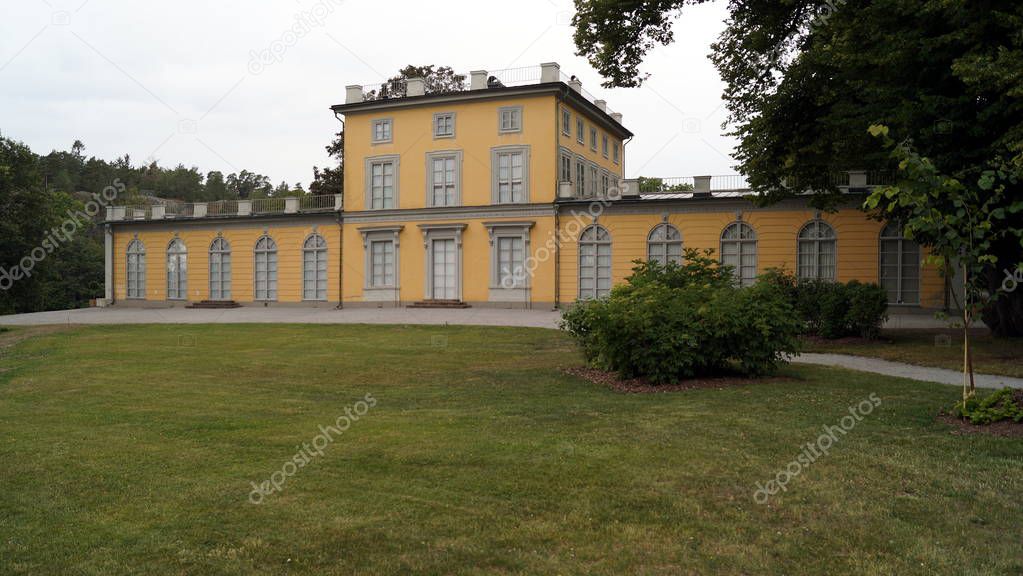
{"points": [[806, 78]]}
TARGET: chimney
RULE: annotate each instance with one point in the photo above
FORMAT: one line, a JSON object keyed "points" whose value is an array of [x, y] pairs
{"points": [[550, 72], [353, 94], [617, 116], [701, 186], [415, 87], [576, 84], [478, 80], [602, 104]]}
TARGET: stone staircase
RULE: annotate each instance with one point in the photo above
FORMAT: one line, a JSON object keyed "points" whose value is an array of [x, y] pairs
{"points": [[214, 304], [445, 304]]}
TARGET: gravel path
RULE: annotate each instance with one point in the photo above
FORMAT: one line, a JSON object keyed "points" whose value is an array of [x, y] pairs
{"points": [[898, 369]]}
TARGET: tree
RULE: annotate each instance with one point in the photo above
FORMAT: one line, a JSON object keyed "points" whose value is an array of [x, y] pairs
{"points": [[805, 79], [331, 180], [215, 188], [437, 79], [652, 184], [963, 222]]}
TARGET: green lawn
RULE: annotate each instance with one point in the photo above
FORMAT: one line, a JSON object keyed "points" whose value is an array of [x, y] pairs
{"points": [[132, 449], [938, 347]]}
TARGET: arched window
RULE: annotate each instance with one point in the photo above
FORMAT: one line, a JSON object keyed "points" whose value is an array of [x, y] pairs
{"points": [[739, 250], [136, 269], [220, 270], [314, 268], [266, 269], [594, 262], [900, 265], [177, 270], [815, 251], [664, 244]]}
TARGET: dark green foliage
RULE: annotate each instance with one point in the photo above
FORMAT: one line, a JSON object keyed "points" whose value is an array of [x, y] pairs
{"points": [[833, 309], [673, 322], [1005, 404]]}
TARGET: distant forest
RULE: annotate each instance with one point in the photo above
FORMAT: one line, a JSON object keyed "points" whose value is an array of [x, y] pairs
{"points": [[50, 259]]}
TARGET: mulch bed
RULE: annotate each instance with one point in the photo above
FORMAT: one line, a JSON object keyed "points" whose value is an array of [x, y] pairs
{"points": [[643, 386], [1003, 429]]}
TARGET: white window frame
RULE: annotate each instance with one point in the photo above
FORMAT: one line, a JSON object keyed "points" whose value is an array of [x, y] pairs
{"points": [[562, 157], [893, 232], [518, 289], [456, 156], [371, 161], [580, 131], [593, 179], [580, 177], [743, 247], [265, 252], [389, 123], [437, 134], [605, 184], [177, 250], [817, 231], [603, 144], [316, 245], [371, 291], [514, 114], [135, 270], [220, 254], [593, 138], [658, 248], [617, 152], [495, 158], [596, 241], [566, 122]]}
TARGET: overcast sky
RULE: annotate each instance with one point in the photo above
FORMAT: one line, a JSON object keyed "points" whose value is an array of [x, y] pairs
{"points": [[176, 81]]}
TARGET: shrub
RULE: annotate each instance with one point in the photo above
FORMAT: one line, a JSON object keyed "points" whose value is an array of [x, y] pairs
{"points": [[680, 321], [1005, 404], [833, 309]]}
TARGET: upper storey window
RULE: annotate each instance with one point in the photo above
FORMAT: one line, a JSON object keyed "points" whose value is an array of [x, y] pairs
{"points": [[444, 125], [617, 153], [566, 122], [509, 119], [510, 167], [580, 129], [382, 130]]}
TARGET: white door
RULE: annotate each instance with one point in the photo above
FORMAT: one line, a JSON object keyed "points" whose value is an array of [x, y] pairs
{"points": [[444, 262]]}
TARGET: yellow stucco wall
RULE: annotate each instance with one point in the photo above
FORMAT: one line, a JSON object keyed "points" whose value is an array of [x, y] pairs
{"points": [[476, 259], [776, 231], [476, 133], [570, 143], [197, 237]]}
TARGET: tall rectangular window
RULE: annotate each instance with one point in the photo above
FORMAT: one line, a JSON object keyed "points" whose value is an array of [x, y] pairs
{"points": [[510, 261], [580, 128], [593, 139], [603, 145], [382, 263], [509, 119], [592, 180], [382, 130], [510, 167], [566, 168], [580, 178], [566, 122], [614, 148], [382, 183], [444, 125], [443, 179]]}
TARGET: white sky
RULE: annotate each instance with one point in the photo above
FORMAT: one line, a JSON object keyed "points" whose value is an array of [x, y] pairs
{"points": [[173, 81]]}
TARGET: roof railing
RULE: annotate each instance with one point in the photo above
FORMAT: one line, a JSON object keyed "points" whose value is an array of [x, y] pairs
{"points": [[142, 210]]}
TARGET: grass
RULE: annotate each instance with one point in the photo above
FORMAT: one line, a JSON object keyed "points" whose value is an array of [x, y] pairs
{"points": [[132, 449], [942, 348]]}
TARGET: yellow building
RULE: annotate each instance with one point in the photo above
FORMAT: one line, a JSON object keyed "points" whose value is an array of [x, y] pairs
{"points": [[510, 193]]}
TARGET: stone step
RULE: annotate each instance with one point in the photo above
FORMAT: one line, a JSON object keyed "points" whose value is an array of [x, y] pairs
{"points": [[214, 304], [439, 304]]}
